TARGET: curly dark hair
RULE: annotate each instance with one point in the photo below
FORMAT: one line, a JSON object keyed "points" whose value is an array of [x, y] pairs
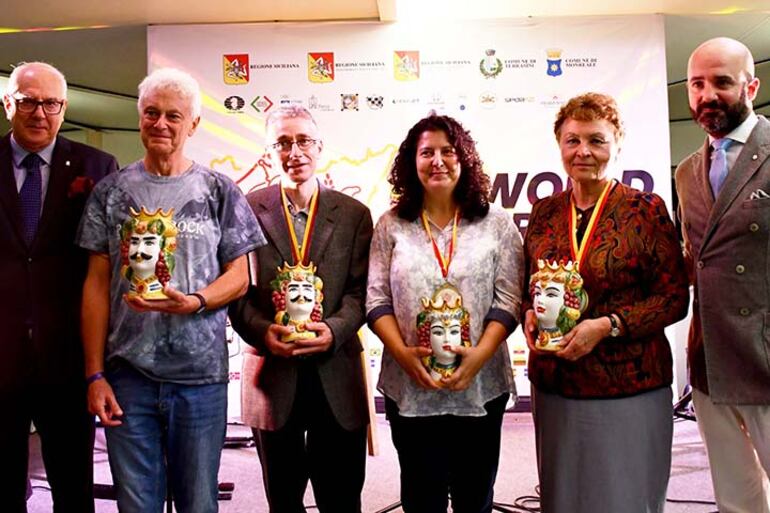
{"points": [[473, 187]]}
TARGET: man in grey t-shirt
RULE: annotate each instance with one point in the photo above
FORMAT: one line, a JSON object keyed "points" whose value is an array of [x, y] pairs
{"points": [[168, 241]]}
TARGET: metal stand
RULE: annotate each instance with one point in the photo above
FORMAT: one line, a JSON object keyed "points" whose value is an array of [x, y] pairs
{"points": [[683, 407], [389, 508]]}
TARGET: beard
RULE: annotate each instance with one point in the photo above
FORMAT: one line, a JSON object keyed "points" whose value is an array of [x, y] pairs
{"points": [[721, 118]]}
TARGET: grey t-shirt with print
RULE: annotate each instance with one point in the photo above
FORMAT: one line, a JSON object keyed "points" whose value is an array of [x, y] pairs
{"points": [[215, 225]]}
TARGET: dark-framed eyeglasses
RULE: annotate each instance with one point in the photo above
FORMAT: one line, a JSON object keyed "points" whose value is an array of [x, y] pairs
{"points": [[285, 146], [29, 105]]}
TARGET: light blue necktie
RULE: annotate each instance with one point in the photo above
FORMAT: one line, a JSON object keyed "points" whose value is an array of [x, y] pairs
{"points": [[718, 170]]}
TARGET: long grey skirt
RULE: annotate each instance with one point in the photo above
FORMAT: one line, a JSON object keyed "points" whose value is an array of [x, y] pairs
{"points": [[603, 455]]}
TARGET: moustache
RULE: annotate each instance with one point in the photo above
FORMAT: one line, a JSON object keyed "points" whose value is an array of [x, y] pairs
{"points": [[713, 105], [139, 257], [300, 298]]}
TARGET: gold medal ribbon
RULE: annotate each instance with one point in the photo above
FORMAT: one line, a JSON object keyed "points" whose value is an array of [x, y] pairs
{"points": [[579, 250], [443, 261], [301, 254]]}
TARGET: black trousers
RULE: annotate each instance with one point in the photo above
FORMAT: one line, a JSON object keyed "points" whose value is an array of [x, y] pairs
{"points": [[447, 455], [312, 446], [66, 432]]}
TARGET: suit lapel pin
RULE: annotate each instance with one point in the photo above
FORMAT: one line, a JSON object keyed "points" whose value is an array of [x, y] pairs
{"points": [[67, 163], [754, 157]]}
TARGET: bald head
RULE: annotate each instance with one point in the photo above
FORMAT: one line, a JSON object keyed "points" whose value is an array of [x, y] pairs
{"points": [[25, 70], [721, 85], [725, 49]]}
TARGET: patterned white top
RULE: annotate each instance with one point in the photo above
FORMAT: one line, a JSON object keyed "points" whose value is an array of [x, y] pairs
{"points": [[486, 268]]}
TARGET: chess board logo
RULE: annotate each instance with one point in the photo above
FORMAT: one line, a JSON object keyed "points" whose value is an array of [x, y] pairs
{"points": [[374, 102]]}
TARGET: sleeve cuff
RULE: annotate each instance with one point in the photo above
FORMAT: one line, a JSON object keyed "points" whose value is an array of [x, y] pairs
{"points": [[503, 317], [378, 312]]}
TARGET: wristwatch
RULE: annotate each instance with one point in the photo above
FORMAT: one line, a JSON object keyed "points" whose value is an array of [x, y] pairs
{"points": [[202, 299], [614, 328]]}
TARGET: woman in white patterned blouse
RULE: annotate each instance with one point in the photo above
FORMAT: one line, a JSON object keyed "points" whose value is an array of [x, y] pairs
{"points": [[442, 230]]}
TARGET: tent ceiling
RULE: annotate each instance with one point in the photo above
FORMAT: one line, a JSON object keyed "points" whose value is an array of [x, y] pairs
{"points": [[104, 65]]}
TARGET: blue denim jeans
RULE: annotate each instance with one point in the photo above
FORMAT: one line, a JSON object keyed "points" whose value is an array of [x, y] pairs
{"points": [[167, 429]]}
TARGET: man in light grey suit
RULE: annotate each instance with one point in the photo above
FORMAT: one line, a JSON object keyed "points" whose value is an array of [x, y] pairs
{"points": [[306, 399], [724, 199]]}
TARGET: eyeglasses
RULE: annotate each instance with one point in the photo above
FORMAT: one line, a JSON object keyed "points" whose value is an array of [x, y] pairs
{"points": [[285, 146], [29, 105]]}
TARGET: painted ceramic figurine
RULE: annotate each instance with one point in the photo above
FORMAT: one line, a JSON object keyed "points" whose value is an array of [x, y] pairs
{"points": [[297, 297], [443, 322], [148, 242], [558, 299]]}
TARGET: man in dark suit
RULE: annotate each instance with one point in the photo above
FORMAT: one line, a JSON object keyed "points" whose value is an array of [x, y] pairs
{"points": [[724, 198], [44, 183], [306, 399]]}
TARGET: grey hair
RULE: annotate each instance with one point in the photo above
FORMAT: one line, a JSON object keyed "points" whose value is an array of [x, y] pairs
{"points": [[13, 79], [172, 79], [289, 111]]}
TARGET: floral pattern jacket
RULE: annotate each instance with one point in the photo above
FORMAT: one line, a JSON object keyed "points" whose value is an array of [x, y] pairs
{"points": [[633, 268]]}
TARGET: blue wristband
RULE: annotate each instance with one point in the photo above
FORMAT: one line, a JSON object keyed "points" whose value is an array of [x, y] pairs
{"points": [[94, 377]]}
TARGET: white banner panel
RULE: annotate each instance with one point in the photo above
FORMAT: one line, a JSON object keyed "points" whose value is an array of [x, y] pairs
{"points": [[367, 83]]}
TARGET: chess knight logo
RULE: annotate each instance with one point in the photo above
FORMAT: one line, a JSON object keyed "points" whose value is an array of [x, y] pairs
{"points": [[406, 66], [490, 66], [554, 62], [234, 103], [320, 67], [235, 69]]}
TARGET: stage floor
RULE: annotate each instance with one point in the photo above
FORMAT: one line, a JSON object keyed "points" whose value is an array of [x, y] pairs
{"points": [[517, 477]]}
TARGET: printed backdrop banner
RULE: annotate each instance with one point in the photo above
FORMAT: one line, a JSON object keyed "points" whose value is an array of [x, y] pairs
{"points": [[367, 83]]}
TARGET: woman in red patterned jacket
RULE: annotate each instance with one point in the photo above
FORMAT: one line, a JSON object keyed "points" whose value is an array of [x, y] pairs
{"points": [[602, 403]]}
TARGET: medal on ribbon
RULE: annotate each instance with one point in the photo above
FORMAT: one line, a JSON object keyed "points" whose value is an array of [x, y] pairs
{"points": [[297, 290]]}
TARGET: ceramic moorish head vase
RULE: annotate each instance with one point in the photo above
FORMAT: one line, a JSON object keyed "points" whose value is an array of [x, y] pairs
{"points": [[558, 299], [443, 322], [297, 297], [148, 242]]}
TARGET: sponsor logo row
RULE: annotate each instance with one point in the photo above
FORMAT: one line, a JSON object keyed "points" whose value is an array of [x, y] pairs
{"points": [[322, 66], [356, 102]]}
